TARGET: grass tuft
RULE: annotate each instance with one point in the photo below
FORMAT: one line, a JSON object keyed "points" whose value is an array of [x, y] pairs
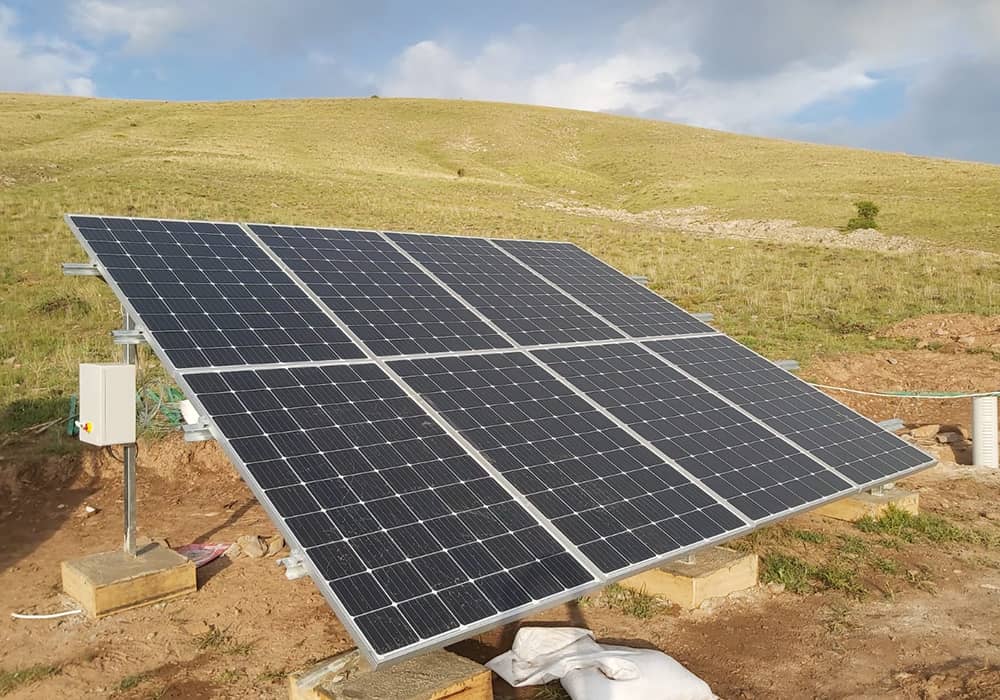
{"points": [[903, 525], [632, 602], [808, 536], [787, 570], [12, 680], [220, 640], [129, 682]]}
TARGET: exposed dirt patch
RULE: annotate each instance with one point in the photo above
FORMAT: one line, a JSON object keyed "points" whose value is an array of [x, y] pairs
{"points": [[700, 221], [909, 370], [950, 332]]}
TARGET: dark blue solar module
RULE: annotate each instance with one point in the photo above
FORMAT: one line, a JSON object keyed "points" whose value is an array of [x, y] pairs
{"points": [[619, 502], [386, 300], [209, 295], [411, 535], [457, 482], [616, 298], [520, 303], [742, 461], [847, 441]]}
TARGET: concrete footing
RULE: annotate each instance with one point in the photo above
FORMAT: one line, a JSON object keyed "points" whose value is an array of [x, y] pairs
{"points": [[111, 582], [435, 675], [855, 507], [714, 573]]}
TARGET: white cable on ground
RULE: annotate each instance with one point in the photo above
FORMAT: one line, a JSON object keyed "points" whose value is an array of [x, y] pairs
{"points": [[49, 616], [940, 395]]}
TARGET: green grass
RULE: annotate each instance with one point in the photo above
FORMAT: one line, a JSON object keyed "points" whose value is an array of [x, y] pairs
{"points": [[800, 576], [903, 525], [219, 640], [632, 602], [12, 680], [810, 536], [394, 163], [133, 681]]}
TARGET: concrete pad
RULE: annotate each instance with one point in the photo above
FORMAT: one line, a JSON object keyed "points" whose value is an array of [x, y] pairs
{"points": [[435, 675], [111, 582], [855, 507], [715, 573]]}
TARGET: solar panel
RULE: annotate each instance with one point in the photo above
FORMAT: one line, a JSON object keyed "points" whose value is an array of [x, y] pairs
{"points": [[209, 295], [631, 307], [526, 307], [410, 537], [619, 502], [850, 443], [734, 455], [386, 300], [438, 480]]}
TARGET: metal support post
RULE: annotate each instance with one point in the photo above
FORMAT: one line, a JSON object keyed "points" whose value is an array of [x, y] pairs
{"points": [[129, 453]]}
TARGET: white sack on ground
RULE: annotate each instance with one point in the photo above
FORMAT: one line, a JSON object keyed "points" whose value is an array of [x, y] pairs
{"points": [[592, 671]]}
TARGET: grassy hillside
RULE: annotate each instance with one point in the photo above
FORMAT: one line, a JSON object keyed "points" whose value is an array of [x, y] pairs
{"points": [[380, 163]]}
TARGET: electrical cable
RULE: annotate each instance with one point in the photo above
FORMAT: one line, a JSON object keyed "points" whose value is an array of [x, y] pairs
{"points": [[48, 616], [940, 395]]}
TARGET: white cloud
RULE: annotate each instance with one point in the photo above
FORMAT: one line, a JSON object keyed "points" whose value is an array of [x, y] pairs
{"points": [[748, 67], [41, 64], [145, 26]]}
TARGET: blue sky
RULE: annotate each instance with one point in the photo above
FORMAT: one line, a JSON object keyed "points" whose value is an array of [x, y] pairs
{"points": [[920, 76]]}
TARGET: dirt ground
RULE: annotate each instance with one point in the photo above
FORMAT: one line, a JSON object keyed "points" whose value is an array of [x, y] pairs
{"points": [[930, 632]]}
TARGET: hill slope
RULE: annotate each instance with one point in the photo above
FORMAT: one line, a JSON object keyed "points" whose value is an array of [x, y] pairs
{"points": [[525, 171]]}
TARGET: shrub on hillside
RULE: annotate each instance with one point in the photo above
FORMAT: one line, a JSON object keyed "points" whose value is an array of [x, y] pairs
{"points": [[867, 211]]}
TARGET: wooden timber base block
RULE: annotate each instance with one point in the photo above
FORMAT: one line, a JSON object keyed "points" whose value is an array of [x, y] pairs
{"points": [[435, 675], [859, 505], [111, 582], [715, 573]]}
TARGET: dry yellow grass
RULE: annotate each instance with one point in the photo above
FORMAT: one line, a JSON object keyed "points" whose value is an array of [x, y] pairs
{"points": [[380, 163]]}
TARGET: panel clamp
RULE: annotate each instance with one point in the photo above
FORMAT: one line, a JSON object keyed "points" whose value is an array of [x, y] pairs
{"points": [[81, 270], [704, 316], [891, 424], [197, 432], [788, 365], [128, 336]]}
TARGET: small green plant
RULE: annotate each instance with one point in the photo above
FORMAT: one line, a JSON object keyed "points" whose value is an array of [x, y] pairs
{"points": [[839, 578], [852, 545], [129, 682], [216, 639], [631, 602], [885, 565], [867, 211], [552, 691], [787, 570], [12, 680], [808, 536]]}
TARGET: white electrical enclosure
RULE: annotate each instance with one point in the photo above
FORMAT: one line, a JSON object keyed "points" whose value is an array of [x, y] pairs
{"points": [[107, 404]]}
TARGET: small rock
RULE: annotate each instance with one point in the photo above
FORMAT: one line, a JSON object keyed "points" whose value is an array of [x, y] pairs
{"points": [[275, 544], [892, 360], [948, 438], [925, 431], [233, 551], [776, 588], [967, 340], [923, 345], [252, 546], [989, 586], [89, 511]]}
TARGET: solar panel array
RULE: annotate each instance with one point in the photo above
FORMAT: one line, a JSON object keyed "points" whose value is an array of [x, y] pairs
{"points": [[459, 431]]}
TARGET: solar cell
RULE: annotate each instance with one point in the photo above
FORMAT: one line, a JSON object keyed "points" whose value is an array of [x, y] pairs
{"points": [[412, 537], [209, 295], [526, 307], [386, 300], [628, 305], [739, 459], [618, 501], [850, 443]]}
